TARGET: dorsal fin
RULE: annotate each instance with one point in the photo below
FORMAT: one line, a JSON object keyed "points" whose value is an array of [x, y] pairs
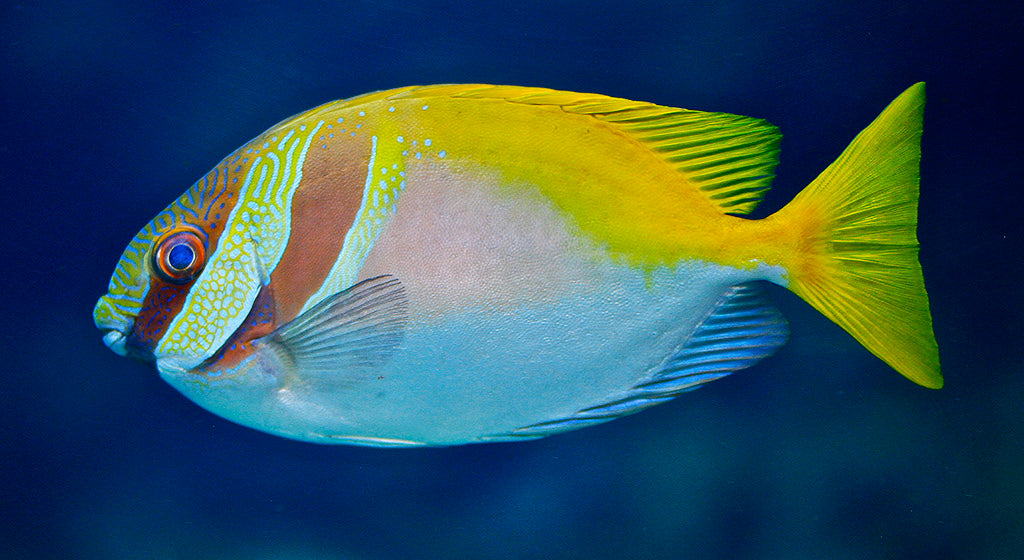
{"points": [[730, 158]]}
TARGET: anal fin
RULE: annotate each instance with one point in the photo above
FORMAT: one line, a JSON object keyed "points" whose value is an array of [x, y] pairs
{"points": [[742, 328]]}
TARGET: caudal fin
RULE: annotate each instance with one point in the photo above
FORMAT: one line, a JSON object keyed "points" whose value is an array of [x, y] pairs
{"points": [[857, 252]]}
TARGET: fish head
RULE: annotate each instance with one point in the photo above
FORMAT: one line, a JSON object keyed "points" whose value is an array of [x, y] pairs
{"points": [[171, 296]]}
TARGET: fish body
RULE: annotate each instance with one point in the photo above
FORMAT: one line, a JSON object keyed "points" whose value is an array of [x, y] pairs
{"points": [[451, 264]]}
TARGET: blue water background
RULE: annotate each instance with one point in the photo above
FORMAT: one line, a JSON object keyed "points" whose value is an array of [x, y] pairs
{"points": [[111, 109]]}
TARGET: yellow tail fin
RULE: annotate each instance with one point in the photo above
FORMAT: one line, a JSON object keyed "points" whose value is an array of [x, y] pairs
{"points": [[856, 258]]}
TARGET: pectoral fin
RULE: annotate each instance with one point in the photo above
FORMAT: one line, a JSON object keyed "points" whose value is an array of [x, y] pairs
{"points": [[357, 328]]}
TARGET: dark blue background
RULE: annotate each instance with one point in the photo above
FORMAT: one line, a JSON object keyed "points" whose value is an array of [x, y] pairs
{"points": [[110, 110]]}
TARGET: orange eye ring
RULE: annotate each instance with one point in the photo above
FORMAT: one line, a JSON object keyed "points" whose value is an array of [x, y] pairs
{"points": [[180, 255]]}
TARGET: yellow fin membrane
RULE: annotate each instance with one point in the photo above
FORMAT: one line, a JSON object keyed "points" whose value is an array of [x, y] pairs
{"points": [[856, 257]]}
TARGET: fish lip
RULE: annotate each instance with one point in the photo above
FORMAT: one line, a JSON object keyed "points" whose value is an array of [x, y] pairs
{"points": [[116, 341]]}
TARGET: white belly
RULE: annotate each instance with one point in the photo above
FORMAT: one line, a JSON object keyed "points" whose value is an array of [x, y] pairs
{"points": [[484, 373]]}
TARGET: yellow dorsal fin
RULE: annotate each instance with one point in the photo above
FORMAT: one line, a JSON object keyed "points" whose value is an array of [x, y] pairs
{"points": [[730, 158]]}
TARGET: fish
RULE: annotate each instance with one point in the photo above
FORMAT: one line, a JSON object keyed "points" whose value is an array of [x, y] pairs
{"points": [[451, 264]]}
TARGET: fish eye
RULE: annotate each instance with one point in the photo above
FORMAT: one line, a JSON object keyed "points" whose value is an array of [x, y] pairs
{"points": [[179, 256]]}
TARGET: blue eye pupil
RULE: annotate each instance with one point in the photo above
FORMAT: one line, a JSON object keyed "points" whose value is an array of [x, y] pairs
{"points": [[180, 257]]}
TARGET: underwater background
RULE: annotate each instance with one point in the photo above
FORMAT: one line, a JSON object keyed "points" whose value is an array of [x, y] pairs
{"points": [[112, 109]]}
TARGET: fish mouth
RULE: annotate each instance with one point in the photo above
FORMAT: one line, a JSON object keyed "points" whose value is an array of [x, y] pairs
{"points": [[115, 340]]}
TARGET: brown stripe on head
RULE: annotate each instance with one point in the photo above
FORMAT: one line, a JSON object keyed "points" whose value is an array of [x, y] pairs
{"points": [[204, 208], [324, 207]]}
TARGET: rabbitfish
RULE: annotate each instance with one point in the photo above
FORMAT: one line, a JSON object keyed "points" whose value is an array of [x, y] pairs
{"points": [[465, 263]]}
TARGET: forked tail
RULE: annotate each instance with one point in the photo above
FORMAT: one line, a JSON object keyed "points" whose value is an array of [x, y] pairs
{"points": [[856, 250]]}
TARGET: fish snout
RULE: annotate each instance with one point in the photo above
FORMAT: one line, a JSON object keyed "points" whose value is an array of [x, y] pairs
{"points": [[114, 323]]}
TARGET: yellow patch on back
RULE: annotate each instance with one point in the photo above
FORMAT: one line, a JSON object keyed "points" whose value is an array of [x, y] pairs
{"points": [[652, 184], [730, 158]]}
